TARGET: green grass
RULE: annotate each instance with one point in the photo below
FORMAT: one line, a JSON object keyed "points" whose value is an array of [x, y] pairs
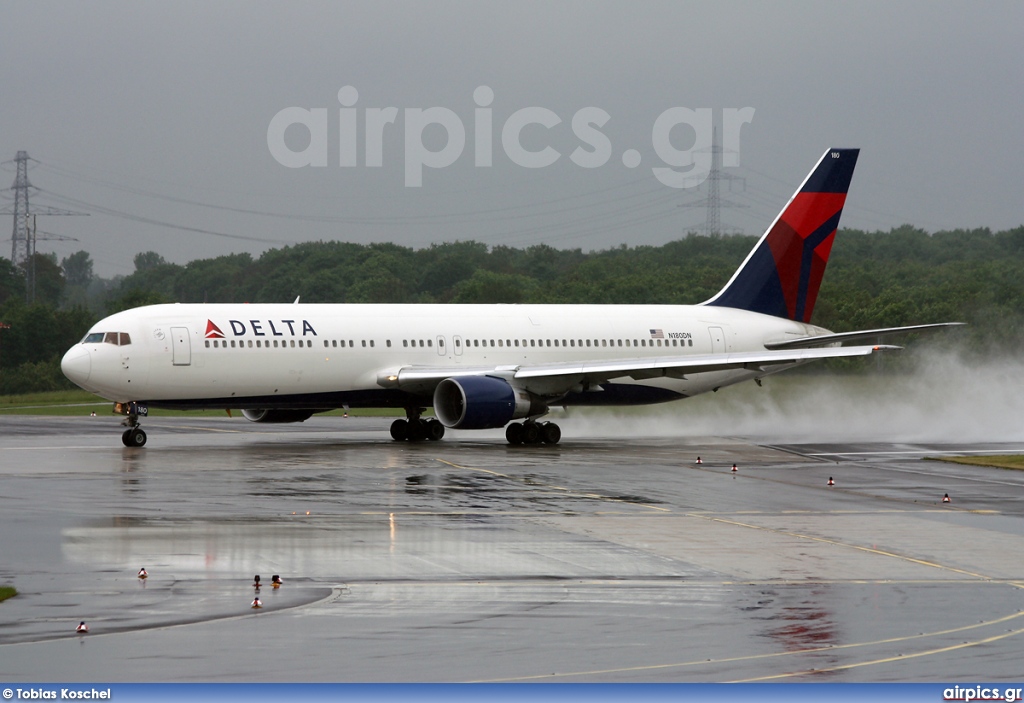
{"points": [[1004, 461], [7, 592], [48, 398], [81, 403]]}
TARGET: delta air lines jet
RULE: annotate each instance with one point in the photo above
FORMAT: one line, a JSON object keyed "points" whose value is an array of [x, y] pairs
{"points": [[482, 366]]}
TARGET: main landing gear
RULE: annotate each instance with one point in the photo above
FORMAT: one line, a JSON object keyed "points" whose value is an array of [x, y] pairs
{"points": [[134, 436], [416, 429], [531, 432]]}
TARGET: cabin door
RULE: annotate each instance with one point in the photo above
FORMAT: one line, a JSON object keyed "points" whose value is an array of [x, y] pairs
{"points": [[717, 340], [181, 346]]}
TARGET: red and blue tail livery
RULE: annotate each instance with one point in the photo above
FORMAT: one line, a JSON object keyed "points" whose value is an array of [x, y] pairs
{"points": [[783, 273]]}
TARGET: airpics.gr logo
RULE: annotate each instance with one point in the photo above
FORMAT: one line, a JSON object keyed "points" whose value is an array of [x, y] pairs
{"points": [[262, 328], [680, 168]]}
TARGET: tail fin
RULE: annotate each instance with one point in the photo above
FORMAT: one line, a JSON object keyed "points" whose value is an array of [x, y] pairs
{"points": [[782, 274]]}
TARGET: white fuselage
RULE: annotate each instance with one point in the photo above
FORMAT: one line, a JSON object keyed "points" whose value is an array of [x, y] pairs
{"points": [[220, 355]]}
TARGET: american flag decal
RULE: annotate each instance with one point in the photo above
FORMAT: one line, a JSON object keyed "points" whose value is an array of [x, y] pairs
{"points": [[657, 334]]}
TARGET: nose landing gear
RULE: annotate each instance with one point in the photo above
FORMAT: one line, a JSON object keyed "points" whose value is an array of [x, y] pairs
{"points": [[134, 436]]}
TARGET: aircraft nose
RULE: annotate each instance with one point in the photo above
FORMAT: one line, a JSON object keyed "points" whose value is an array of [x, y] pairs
{"points": [[77, 364]]}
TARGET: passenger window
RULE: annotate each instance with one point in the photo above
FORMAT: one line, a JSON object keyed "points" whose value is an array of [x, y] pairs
{"points": [[207, 343], [250, 344], [232, 344], [430, 343], [364, 342], [371, 342], [405, 342], [689, 342], [389, 342]]}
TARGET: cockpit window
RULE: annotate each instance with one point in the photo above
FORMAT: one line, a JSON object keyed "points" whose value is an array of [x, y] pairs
{"points": [[115, 338]]}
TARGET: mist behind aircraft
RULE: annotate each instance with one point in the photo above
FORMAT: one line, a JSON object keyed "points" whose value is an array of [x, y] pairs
{"points": [[944, 396]]}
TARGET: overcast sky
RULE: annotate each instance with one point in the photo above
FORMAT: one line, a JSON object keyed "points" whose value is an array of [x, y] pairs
{"points": [[154, 117]]}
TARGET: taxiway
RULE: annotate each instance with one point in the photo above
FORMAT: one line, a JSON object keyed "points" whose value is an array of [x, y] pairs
{"points": [[612, 559]]}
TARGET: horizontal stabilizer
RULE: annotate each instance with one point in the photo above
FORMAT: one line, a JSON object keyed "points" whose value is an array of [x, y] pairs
{"points": [[817, 341]]}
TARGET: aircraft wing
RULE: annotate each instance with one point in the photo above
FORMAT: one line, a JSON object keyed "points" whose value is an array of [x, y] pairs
{"points": [[803, 342], [421, 378]]}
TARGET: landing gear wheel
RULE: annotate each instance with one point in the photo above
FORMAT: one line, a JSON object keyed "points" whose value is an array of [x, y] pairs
{"points": [[134, 437], [400, 430], [417, 431], [435, 430], [531, 433], [550, 433], [514, 433]]}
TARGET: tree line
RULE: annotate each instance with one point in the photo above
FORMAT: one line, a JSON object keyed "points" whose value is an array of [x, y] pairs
{"points": [[875, 279]]}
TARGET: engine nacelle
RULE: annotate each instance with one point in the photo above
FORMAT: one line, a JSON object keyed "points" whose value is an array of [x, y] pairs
{"points": [[276, 415], [482, 402]]}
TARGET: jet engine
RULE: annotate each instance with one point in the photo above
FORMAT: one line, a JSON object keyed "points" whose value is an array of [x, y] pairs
{"points": [[276, 415], [482, 402]]}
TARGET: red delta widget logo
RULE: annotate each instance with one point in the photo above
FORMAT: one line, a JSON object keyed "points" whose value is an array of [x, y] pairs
{"points": [[262, 328]]}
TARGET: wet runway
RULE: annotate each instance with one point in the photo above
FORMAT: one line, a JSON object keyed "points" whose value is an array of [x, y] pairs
{"points": [[609, 559]]}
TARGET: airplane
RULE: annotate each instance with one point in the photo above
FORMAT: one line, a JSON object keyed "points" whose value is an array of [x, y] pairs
{"points": [[483, 366]]}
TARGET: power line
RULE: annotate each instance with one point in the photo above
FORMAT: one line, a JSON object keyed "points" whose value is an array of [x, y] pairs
{"points": [[23, 233], [714, 202]]}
